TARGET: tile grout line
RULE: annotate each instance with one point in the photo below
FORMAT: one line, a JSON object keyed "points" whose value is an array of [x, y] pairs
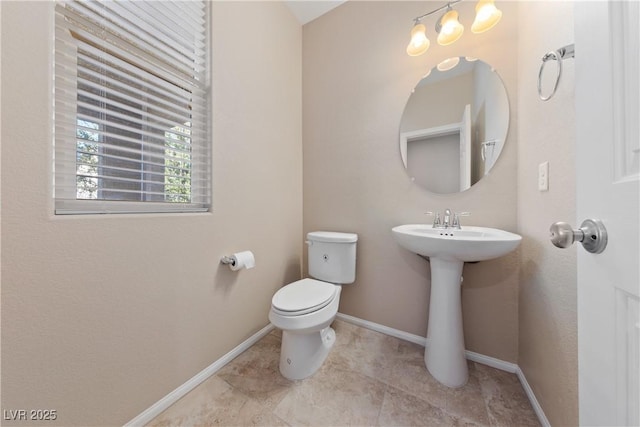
{"points": [[384, 398]]}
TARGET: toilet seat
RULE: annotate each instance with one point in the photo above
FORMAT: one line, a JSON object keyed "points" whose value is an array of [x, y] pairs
{"points": [[303, 297]]}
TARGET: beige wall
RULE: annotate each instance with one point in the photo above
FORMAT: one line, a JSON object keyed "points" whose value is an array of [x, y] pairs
{"points": [[356, 81], [548, 353], [104, 315]]}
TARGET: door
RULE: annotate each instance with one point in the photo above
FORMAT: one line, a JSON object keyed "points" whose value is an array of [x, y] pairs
{"points": [[607, 163]]}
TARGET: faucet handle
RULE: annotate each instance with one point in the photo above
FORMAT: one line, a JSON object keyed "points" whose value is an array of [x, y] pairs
{"points": [[456, 219], [437, 222]]}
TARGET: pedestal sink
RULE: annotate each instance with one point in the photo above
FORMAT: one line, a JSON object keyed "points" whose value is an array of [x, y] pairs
{"points": [[448, 249]]}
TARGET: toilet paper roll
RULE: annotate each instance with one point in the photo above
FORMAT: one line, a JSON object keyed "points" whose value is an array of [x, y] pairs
{"points": [[242, 260]]}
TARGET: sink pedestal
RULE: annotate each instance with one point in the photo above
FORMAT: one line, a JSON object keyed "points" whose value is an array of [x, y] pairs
{"points": [[448, 249], [444, 354]]}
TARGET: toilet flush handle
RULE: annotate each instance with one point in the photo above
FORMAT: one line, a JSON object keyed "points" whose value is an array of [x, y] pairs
{"points": [[309, 242]]}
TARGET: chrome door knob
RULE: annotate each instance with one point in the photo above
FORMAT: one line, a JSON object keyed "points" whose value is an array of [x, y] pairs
{"points": [[592, 234], [563, 235]]}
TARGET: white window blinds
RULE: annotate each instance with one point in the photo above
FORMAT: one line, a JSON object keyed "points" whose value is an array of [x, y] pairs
{"points": [[131, 106]]}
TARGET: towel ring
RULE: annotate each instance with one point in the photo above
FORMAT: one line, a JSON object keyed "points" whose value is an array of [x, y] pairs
{"points": [[556, 55]]}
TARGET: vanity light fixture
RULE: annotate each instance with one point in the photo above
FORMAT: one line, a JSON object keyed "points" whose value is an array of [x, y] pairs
{"points": [[449, 28]]}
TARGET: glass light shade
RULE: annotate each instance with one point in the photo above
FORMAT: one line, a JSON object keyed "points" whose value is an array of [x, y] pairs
{"points": [[419, 42], [487, 15], [448, 64], [451, 29]]}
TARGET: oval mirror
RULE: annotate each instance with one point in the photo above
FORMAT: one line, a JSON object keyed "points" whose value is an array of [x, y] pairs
{"points": [[454, 125]]}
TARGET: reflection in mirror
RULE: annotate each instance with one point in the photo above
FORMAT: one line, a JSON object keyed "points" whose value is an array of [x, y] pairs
{"points": [[454, 125]]}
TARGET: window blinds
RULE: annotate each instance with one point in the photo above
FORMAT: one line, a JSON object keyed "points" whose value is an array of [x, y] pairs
{"points": [[131, 106]]}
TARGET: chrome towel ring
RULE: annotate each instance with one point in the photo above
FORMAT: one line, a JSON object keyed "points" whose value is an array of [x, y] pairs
{"points": [[559, 55]]}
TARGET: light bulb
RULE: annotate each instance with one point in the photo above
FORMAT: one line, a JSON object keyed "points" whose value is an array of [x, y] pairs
{"points": [[487, 15], [419, 42], [451, 29]]}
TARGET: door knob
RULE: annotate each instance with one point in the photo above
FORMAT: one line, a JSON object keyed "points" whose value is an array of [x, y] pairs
{"points": [[592, 234]]}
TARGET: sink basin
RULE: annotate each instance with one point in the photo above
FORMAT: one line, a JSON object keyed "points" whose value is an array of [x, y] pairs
{"points": [[467, 245], [448, 249]]}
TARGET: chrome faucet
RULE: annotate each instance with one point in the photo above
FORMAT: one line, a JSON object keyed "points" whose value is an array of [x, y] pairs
{"points": [[447, 218], [450, 219]]}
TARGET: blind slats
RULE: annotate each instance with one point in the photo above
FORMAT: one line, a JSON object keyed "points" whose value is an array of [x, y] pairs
{"points": [[143, 154], [119, 179], [175, 144], [123, 73], [149, 171], [136, 59], [190, 40], [144, 44], [149, 121], [149, 166], [68, 92], [131, 106], [142, 149]]}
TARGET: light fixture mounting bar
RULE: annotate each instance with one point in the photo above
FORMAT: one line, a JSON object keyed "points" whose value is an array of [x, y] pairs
{"points": [[448, 5]]}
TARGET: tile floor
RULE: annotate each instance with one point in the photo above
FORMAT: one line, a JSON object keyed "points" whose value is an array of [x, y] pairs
{"points": [[369, 379]]}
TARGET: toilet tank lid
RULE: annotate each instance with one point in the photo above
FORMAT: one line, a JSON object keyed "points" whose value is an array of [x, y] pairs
{"points": [[332, 237]]}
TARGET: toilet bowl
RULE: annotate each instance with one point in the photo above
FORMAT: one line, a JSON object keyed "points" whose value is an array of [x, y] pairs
{"points": [[306, 334], [305, 309]]}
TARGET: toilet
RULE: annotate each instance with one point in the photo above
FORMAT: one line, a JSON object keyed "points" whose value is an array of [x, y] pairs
{"points": [[304, 309]]}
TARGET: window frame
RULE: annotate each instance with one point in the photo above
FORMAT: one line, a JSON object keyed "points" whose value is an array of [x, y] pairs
{"points": [[66, 171]]}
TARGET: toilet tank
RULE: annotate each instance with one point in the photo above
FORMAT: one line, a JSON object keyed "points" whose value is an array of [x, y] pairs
{"points": [[332, 256]]}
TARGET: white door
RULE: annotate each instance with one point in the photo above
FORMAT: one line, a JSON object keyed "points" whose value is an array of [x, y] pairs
{"points": [[607, 161]]}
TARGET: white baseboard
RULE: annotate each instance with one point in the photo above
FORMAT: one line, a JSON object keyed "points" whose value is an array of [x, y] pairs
{"points": [[164, 403], [171, 398], [417, 339], [492, 361], [532, 398]]}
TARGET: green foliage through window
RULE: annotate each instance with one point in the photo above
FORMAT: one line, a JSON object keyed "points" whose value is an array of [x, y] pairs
{"points": [[177, 176]]}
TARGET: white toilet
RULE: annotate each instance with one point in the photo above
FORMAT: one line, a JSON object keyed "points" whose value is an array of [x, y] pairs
{"points": [[304, 309]]}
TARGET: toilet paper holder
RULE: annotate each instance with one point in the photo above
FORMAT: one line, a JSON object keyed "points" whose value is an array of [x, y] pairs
{"points": [[239, 260], [227, 260]]}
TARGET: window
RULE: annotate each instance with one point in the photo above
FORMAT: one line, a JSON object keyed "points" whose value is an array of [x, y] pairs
{"points": [[131, 107]]}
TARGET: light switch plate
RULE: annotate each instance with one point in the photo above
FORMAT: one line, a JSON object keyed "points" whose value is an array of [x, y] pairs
{"points": [[543, 176]]}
